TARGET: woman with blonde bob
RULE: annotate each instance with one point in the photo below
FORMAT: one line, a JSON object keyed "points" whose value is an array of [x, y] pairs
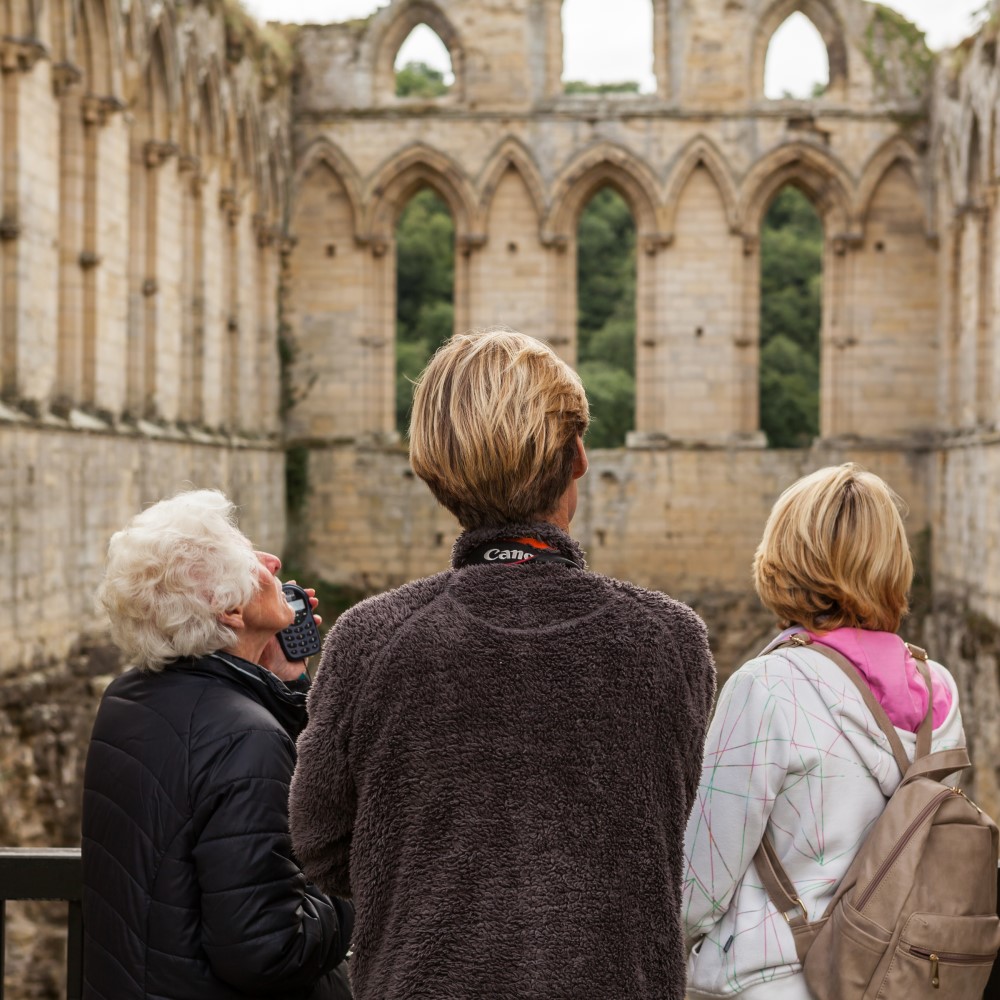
{"points": [[793, 752], [500, 759]]}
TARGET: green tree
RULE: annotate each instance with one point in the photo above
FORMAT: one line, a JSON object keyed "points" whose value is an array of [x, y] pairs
{"points": [[606, 271], [790, 320], [417, 79], [582, 87], [425, 279]]}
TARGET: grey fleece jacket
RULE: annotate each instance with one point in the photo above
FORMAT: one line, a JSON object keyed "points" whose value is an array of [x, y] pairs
{"points": [[498, 767]]}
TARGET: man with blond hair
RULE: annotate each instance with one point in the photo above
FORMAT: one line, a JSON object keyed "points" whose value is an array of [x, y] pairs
{"points": [[501, 758]]}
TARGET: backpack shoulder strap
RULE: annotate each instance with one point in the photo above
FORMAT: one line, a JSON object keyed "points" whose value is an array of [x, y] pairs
{"points": [[895, 743], [781, 891]]}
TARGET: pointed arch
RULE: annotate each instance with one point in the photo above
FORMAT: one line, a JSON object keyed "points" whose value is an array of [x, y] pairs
{"points": [[210, 113], [510, 153], [393, 26], [401, 177], [99, 47], [603, 165], [896, 151], [827, 21], [700, 152], [324, 152], [974, 168], [820, 175]]}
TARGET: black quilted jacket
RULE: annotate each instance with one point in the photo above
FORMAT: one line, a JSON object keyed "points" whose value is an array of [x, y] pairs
{"points": [[191, 890], [499, 765]]}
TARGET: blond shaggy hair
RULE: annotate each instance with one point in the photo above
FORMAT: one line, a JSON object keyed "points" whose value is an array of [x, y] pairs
{"points": [[834, 553], [171, 572], [496, 415]]}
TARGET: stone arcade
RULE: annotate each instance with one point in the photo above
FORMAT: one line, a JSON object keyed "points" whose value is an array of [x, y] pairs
{"points": [[197, 274]]}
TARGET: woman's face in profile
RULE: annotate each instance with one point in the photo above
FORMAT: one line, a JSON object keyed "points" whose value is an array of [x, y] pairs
{"points": [[268, 611]]}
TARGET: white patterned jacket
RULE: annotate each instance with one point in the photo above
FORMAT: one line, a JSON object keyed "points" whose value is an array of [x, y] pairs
{"points": [[792, 749]]}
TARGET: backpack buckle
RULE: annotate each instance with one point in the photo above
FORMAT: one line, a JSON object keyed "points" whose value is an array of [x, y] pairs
{"points": [[795, 899]]}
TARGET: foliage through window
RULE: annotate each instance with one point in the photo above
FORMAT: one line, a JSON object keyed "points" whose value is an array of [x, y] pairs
{"points": [[423, 65], [425, 282], [606, 276], [791, 243]]}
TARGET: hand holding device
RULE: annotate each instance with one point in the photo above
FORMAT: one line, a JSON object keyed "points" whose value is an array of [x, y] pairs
{"points": [[301, 639]]}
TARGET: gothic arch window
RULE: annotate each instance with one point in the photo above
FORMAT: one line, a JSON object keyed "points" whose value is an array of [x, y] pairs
{"points": [[600, 57], [791, 275], [786, 37], [797, 65], [606, 314], [418, 34], [425, 290], [423, 66]]}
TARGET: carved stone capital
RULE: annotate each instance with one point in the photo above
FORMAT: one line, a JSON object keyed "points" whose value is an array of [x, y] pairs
{"points": [[229, 204], [97, 110], [268, 235], [378, 245], [471, 242], [20, 54], [751, 244], [10, 228], [65, 76], [89, 260], [842, 242], [653, 243], [157, 153], [150, 287], [555, 241]]}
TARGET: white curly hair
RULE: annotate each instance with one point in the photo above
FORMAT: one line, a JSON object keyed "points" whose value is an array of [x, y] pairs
{"points": [[171, 571]]}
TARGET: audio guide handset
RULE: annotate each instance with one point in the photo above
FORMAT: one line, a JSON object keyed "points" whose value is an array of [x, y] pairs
{"points": [[301, 638]]}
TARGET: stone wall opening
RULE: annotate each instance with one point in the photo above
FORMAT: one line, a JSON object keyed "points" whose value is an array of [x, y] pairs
{"points": [[423, 65], [588, 28], [796, 43], [425, 291], [791, 274], [606, 315]]}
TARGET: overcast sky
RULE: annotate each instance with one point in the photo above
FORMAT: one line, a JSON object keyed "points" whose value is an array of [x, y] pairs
{"points": [[797, 58]]}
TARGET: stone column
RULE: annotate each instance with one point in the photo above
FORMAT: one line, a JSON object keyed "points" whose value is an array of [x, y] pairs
{"points": [[840, 407], [377, 342], [229, 382], [661, 49], [100, 220], [563, 291], [66, 85], [29, 192]]}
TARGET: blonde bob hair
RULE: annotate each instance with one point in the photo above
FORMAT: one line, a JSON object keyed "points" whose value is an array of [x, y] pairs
{"points": [[171, 571], [496, 415], [834, 553]]}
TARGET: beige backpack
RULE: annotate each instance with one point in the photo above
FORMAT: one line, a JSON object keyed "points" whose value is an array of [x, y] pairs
{"points": [[916, 914]]}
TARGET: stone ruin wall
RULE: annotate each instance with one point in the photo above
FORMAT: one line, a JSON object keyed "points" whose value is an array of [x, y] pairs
{"points": [[143, 173], [698, 162], [162, 175]]}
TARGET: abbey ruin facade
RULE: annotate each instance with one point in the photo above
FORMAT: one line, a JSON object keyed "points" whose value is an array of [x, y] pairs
{"points": [[197, 277]]}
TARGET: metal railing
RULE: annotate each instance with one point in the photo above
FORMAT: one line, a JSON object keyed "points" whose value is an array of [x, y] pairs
{"points": [[55, 873], [46, 873]]}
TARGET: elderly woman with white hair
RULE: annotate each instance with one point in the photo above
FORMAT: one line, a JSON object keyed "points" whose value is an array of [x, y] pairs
{"points": [[191, 888]]}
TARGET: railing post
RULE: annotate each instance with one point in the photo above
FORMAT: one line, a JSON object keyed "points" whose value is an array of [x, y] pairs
{"points": [[46, 873], [74, 953]]}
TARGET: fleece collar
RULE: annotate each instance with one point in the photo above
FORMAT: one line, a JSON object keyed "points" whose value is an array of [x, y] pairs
{"points": [[469, 541]]}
